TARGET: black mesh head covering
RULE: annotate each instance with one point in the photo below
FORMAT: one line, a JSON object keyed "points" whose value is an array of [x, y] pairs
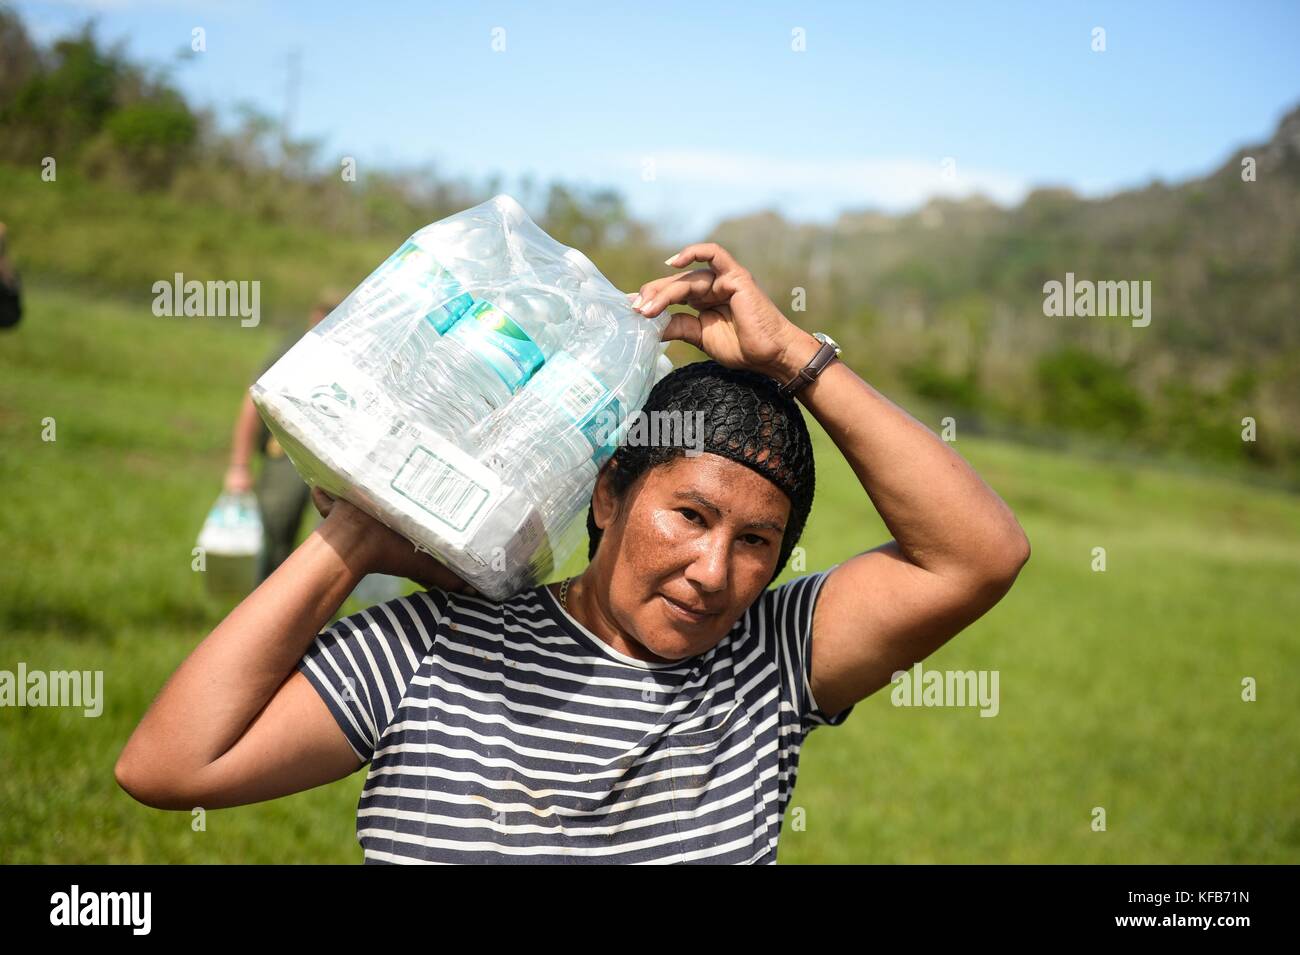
{"points": [[746, 420]]}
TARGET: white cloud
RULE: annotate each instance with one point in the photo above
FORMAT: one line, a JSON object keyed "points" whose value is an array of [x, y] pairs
{"points": [[694, 188], [888, 184]]}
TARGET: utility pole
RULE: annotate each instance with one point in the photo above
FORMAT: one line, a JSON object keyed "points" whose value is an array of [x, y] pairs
{"points": [[293, 67]]}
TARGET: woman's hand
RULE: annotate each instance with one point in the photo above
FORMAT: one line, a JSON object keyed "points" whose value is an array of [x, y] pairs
{"points": [[737, 325], [385, 551], [238, 479]]}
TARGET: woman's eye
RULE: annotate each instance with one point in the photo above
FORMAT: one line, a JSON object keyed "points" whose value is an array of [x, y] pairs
{"points": [[692, 515]]}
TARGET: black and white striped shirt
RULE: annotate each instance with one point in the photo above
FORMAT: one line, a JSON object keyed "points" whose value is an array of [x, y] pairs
{"points": [[508, 732]]}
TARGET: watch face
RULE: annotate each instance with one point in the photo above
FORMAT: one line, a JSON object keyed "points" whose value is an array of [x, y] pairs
{"points": [[823, 337]]}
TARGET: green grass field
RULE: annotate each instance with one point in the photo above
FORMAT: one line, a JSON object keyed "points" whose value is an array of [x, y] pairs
{"points": [[1119, 689]]}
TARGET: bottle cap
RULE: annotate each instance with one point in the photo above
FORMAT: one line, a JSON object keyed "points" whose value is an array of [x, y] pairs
{"points": [[582, 262], [510, 209], [663, 365]]}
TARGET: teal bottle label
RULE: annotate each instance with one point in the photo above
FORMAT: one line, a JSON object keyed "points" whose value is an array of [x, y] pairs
{"points": [[583, 399], [606, 436], [412, 274], [493, 337], [445, 315]]}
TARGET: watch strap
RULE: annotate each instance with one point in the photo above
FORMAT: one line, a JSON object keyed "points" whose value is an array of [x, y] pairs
{"points": [[824, 356]]}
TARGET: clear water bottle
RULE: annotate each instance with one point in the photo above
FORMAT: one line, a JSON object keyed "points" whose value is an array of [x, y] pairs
{"points": [[561, 493], [392, 318], [552, 438], [480, 251], [490, 353], [471, 254], [434, 299]]}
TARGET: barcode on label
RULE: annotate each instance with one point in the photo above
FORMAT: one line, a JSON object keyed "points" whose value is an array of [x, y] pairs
{"points": [[438, 487], [580, 395]]}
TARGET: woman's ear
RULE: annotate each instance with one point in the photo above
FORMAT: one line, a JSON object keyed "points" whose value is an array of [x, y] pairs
{"points": [[604, 502]]}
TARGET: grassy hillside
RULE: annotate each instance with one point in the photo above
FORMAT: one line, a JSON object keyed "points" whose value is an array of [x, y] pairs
{"points": [[120, 242], [110, 240], [1119, 689], [949, 301]]}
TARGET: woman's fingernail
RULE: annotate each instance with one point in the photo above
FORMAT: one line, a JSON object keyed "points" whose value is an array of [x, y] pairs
{"points": [[671, 259], [646, 305], [636, 301]]}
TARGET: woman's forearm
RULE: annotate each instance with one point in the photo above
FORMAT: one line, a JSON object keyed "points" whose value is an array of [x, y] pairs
{"points": [[944, 517], [209, 702]]}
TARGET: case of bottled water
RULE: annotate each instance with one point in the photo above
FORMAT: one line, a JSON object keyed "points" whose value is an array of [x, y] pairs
{"points": [[468, 391], [231, 539]]}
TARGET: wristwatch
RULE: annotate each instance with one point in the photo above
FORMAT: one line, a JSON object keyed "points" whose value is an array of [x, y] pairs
{"points": [[829, 351]]}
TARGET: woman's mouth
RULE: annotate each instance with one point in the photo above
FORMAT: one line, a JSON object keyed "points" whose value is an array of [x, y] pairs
{"points": [[681, 612]]}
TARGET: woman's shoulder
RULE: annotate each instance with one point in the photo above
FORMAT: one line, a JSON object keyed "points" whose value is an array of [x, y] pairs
{"points": [[451, 604], [794, 597]]}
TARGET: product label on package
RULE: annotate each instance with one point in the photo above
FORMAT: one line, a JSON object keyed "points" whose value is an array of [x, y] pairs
{"points": [[351, 436], [330, 396], [411, 277], [580, 395], [438, 486], [493, 336]]}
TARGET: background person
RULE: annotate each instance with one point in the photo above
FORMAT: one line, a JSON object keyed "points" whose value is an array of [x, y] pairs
{"points": [[281, 494], [11, 299]]}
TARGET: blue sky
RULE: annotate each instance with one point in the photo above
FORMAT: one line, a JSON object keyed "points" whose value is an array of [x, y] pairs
{"points": [[712, 99]]}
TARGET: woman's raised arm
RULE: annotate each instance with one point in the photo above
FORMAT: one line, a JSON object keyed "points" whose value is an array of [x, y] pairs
{"points": [[957, 547], [236, 723], [235, 720]]}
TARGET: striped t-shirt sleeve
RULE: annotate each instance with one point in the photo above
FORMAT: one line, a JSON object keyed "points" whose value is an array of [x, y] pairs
{"points": [[361, 665], [789, 608]]}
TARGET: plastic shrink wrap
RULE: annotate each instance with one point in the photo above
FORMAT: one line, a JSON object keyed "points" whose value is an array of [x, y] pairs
{"points": [[467, 392]]}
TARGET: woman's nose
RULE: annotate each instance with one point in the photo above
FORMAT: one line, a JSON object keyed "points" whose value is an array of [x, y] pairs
{"points": [[709, 569]]}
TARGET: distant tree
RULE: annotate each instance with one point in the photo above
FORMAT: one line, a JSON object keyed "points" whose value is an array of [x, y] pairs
{"points": [[84, 102], [19, 58], [585, 220], [1084, 392], [60, 106]]}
